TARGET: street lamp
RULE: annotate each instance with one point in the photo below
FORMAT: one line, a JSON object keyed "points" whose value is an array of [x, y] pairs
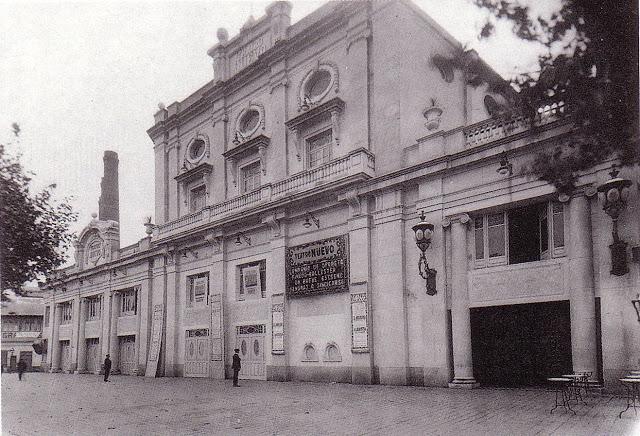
{"points": [[636, 305], [616, 191], [423, 233]]}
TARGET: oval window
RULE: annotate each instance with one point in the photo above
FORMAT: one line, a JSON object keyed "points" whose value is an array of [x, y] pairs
{"points": [[243, 347], [249, 122], [196, 150], [318, 84], [191, 349], [256, 347]]}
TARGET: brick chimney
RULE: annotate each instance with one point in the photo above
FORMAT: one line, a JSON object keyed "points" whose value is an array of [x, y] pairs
{"points": [[109, 202]]}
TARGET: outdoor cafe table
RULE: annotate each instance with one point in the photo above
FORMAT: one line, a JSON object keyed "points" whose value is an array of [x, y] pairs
{"points": [[632, 386], [561, 386], [578, 381]]}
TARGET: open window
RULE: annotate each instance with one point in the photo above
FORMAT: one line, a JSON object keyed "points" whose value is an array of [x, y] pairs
{"points": [[519, 235]]}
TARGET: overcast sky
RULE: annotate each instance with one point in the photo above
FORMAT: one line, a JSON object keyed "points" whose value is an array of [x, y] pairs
{"points": [[85, 77]]}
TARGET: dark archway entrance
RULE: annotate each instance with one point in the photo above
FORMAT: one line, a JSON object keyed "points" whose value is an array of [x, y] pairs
{"points": [[522, 344]]}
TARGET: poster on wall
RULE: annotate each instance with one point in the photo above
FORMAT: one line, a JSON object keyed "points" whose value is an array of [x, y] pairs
{"points": [[319, 267], [216, 327], [277, 328], [156, 340], [359, 328]]}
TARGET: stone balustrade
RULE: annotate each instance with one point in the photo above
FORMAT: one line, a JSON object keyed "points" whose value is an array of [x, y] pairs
{"points": [[493, 129], [358, 162]]}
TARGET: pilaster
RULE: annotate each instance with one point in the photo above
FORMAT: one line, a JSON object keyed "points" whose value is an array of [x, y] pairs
{"points": [[82, 343], [113, 332], [172, 311], [217, 291], [75, 334], [460, 315], [360, 288], [389, 293], [55, 341]]}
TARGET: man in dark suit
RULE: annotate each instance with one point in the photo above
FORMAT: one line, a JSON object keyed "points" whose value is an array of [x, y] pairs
{"points": [[236, 366], [107, 368]]}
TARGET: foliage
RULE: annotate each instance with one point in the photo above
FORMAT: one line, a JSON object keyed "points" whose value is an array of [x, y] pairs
{"points": [[591, 64], [34, 229]]}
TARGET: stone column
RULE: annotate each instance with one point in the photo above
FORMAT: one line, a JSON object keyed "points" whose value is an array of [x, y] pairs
{"points": [[113, 332], [582, 293], [82, 343], [460, 315], [55, 341]]}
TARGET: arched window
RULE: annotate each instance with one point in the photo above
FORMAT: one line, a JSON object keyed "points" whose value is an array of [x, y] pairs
{"points": [[309, 353], [332, 353]]}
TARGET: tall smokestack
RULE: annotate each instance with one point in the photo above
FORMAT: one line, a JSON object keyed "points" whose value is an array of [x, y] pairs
{"points": [[109, 202]]}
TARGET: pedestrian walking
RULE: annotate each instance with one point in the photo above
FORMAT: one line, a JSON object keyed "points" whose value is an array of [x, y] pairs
{"points": [[22, 367], [107, 368], [236, 366]]}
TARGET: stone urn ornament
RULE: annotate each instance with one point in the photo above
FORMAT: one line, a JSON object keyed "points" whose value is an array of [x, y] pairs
{"points": [[432, 114]]}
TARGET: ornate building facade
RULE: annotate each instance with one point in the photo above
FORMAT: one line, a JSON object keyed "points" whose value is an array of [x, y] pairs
{"points": [[286, 190]]}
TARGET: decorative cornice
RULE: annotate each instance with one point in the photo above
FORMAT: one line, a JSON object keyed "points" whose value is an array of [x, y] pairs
{"points": [[336, 104], [200, 171], [252, 145]]}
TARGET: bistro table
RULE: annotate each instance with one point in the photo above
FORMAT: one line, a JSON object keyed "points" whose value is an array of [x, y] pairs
{"points": [[561, 386], [632, 387], [578, 382]]}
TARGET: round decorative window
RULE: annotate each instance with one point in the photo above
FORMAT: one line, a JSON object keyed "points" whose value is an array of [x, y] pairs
{"points": [[243, 347], [196, 149], [95, 251], [256, 347], [318, 83], [249, 122]]}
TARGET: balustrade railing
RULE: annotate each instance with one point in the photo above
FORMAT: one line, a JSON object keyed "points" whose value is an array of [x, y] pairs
{"points": [[494, 129], [307, 179]]}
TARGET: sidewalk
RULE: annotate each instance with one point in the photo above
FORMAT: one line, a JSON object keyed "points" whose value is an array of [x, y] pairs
{"points": [[62, 404]]}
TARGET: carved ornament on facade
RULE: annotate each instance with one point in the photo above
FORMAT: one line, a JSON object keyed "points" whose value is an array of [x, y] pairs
{"points": [[307, 101], [462, 218], [273, 223], [215, 240]]}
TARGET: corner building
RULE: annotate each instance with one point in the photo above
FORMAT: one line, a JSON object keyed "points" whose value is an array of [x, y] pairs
{"points": [[286, 190]]}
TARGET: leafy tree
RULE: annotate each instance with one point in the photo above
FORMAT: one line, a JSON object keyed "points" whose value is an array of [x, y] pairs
{"points": [[590, 64], [34, 228]]}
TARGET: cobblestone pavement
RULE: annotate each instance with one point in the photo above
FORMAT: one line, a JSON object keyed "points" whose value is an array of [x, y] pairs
{"points": [[62, 404]]}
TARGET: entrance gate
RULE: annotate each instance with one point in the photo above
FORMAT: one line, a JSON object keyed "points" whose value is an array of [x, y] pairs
{"points": [[196, 353], [127, 357], [27, 357], [250, 341], [65, 356], [93, 355]]}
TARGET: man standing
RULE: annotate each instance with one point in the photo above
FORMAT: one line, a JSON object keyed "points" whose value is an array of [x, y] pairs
{"points": [[236, 366], [22, 367], [107, 368]]}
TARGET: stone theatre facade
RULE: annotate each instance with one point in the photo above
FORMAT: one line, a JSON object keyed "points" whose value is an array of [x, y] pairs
{"points": [[286, 190]]}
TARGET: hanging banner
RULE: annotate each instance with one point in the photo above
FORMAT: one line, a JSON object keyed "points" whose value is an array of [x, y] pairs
{"points": [[216, 327], [277, 328], [359, 328], [319, 267], [156, 340]]}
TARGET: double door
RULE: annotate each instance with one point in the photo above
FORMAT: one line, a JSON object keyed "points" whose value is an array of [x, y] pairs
{"points": [[127, 355], [250, 340], [196, 350], [65, 356], [93, 355]]}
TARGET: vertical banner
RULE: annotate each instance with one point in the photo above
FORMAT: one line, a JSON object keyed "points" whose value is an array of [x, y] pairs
{"points": [[156, 340], [277, 324], [359, 329], [216, 327]]}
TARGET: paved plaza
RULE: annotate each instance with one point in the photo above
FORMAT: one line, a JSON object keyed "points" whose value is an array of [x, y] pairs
{"points": [[59, 404]]}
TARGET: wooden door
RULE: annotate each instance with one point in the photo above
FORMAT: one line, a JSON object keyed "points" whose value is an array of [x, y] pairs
{"points": [[93, 355], [27, 357], [127, 356], [196, 353], [65, 356], [250, 340]]}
